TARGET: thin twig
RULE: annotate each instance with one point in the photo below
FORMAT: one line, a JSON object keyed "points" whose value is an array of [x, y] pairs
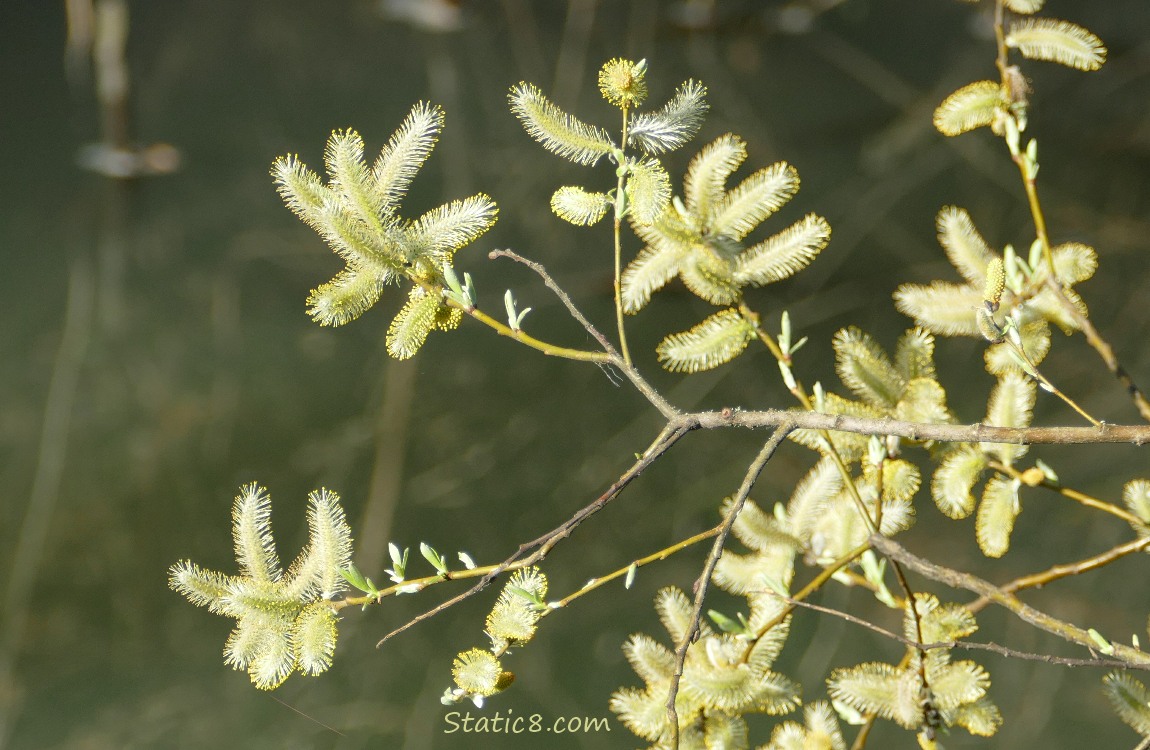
{"points": [[716, 552], [1065, 570], [542, 545], [969, 645], [618, 360], [518, 334], [662, 554], [1132, 657], [1078, 497], [1100, 345], [817, 583], [864, 733], [563, 297], [1045, 382], [620, 202]]}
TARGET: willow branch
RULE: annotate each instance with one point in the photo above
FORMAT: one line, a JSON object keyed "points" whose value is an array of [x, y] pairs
{"points": [[518, 334], [1065, 570], [659, 556], [956, 579], [620, 198], [701, 586], [967, 645], [816, 583], [543, 545], [1078, 497], [946, 433], [616, 359], [1100, 345]]}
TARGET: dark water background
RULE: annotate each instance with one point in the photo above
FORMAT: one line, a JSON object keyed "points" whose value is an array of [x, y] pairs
{"points": [[155, 352]]}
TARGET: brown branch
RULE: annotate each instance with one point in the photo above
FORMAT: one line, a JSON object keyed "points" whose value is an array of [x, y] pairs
{"points": [[618, 360], [716, 552], [945, 433], [1105, 433], [969, 645], [817, 583], [1100, 345], [542, 545], [956, 579], [562, 295]]}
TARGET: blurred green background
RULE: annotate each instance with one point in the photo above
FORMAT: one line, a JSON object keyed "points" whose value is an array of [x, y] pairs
{"points": [[156, 353]]}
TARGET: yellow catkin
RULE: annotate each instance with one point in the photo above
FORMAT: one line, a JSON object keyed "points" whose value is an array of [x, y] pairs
{"points": [[995, 283]]}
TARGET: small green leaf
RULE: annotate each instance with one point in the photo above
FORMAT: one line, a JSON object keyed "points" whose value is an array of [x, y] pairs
{"points": [[398, 570], [1104, 645], [726, 624], [433, 557], [514, 318], [352, 575]]}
